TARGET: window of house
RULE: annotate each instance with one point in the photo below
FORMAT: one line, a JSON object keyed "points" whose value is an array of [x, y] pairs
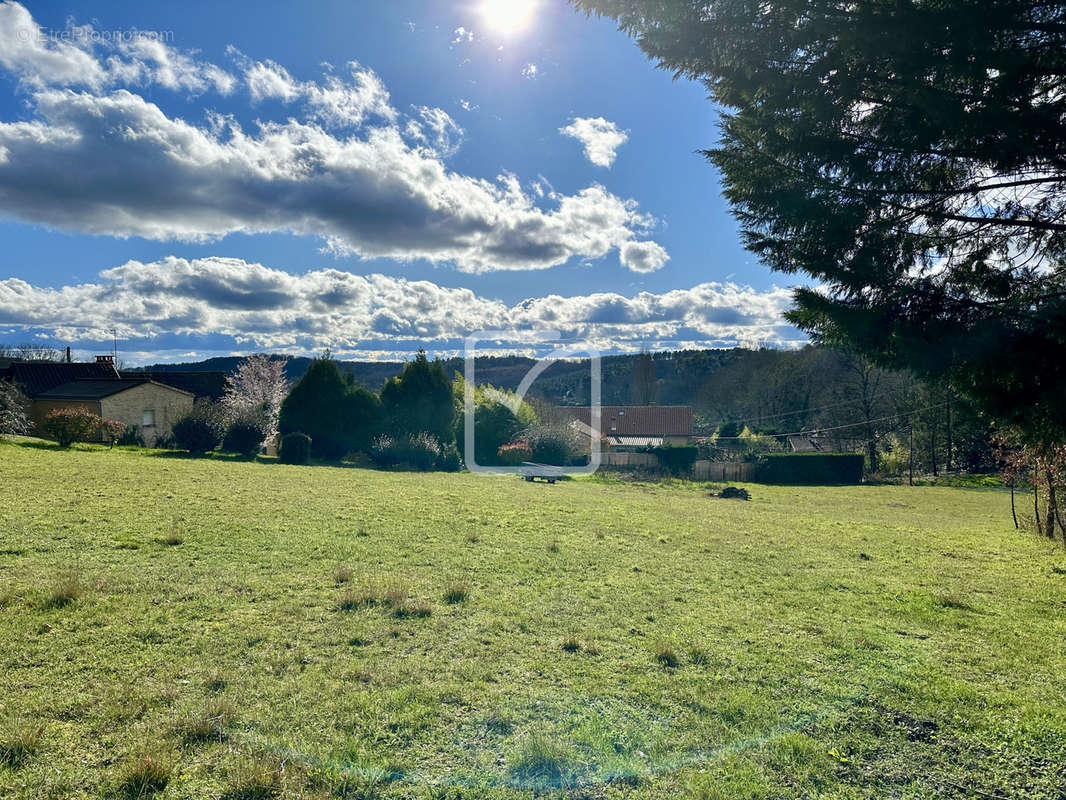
{"points": [[148, 418]]}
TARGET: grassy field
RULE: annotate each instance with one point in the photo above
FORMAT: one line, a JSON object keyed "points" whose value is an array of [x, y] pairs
{"points": [[204, 628]]}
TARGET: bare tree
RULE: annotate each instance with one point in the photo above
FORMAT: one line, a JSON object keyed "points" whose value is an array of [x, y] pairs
{"points": [[27, 351]]}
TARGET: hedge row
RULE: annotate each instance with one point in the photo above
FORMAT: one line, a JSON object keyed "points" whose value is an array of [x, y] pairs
{"points": [[812, 469]]}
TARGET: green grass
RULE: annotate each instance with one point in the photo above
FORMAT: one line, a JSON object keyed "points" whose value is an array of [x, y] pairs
{"points": [[307, 638]]}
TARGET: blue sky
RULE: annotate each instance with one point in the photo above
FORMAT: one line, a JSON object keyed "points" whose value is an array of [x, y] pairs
{"points": [[371, 177]]}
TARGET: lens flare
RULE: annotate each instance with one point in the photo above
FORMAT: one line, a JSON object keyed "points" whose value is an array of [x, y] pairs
{"points": [[508, 16]]}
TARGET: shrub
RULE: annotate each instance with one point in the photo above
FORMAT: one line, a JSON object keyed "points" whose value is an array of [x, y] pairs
{"points": [[450, 460], [554, 444], [514, 454], [131, 437], [111, 430], [244, 436], [165, 441], [728, 430], [69, 425], [295, 448], [383, 451], [200, 429], [421, 451], [676, 460], [811, 469], [494, 425]]}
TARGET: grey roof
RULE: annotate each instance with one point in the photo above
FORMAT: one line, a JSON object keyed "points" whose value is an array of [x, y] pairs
{"points": [[36, 377], [96, 390]]}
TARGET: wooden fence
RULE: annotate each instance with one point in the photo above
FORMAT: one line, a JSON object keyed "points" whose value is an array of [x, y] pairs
{"points": [[612, 459], [701, 471], [740, 471]]}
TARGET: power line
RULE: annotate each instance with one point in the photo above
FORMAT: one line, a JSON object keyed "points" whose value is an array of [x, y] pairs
{"points": [[760, 417], [817, 431]]}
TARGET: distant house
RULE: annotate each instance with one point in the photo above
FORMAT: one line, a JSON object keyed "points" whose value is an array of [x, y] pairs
{"points": [[634, 427], [151, 407], [147, 405], [804, 444]]}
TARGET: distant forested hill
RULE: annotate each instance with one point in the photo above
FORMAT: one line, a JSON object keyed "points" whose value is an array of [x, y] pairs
{"points": [[768, 391], [678, 374]]}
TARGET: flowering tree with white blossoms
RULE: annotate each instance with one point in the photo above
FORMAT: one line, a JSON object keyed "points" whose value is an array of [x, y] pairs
{"points": [[255, 392]]}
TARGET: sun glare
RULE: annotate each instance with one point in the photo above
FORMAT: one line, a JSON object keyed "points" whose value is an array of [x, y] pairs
{"points": [[508, 16]]}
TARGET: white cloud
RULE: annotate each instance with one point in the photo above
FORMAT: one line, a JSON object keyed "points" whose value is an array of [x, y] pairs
{"points": [[462, 35], [530, 71], [335, 102], [600, 138], [38, 60], [436, 130], [268, 308], [643, 256], [107, 161], [117, 165], [84, 57]]}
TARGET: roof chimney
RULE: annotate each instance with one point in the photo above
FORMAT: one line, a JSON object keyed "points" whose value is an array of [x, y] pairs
{"points": [[68, 353]]}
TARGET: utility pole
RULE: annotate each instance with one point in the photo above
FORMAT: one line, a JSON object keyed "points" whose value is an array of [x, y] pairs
{"points": [[910, 453], [114, 346]]}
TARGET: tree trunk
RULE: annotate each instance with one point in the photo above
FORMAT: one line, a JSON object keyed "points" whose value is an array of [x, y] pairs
{"points": [[1052, 507], [932, 451], [910, 459], [1013, 512], [947, 464], [1036, 506]]}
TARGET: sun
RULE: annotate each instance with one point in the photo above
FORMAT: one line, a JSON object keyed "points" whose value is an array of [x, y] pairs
{"points": [[508, 16]]}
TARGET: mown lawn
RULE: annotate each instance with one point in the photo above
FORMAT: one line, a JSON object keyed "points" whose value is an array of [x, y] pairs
{"points": [[208, 628]]}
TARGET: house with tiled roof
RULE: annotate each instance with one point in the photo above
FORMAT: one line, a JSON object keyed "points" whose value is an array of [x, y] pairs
{"points": [[635, 427], [35, 377], [146, 405]]}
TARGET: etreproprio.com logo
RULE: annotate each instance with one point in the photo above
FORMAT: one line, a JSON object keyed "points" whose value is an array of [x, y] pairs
{"points": [[549, 348]]}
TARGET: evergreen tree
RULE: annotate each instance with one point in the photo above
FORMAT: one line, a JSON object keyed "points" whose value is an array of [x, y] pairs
{"points": [[337, 414], [420, 400], [911, 158]]}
